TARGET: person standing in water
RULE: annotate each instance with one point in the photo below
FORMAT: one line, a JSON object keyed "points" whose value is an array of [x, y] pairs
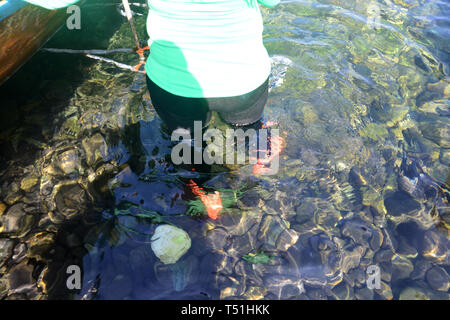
{"points": [[205, 55]]}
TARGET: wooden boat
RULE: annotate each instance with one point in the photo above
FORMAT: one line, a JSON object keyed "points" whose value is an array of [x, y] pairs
{"points": [[24, 28]]}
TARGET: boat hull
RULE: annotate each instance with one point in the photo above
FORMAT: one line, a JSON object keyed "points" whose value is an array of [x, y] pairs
{"points": [[22, 33]]}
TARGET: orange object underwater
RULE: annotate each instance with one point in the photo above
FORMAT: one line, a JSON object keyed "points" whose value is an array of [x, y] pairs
{"points": [[276, 148], [212, 201]]}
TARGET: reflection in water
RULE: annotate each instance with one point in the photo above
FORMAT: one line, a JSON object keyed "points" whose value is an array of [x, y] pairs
{"points": [[360, 93]]}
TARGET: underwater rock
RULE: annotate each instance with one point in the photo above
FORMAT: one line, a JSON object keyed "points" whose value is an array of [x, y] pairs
{"points": [[248, 272], [305, 211], [19, 253], [40, 244], [216, 239], [357, 177], [386, 271], [364, 294], [60, 160], [416, 143], [71, 127], [15, 222], [330, 254], [93, 119], [255, 293], [314, 276], [351, 258], [437, 131], [316, 294], [284, 202], [46, 185], [32, 202], [275, 233], [4, 287], [343, 291], [242, 245], [96, 149], [253, 197], [239, 223], [69, 161], [46, 224], [420, 269], [52, 278], [20, 278], [438, 107], [406, 248], [399, 203], [169, 243], [98, 186], [284, 287], [28, 183], [401, 268], [357, 230], [414, 181], [356, 277], [377, 240], [286, 239], [438, 279], [13, 194], [443, 87], [327, 217], [229, 293], [444, 156], [385, 291], [434, 245], [91, 88], [6, 247], [67, 201], [374, 132], [2, 208], [414, 294], [309, 157]]}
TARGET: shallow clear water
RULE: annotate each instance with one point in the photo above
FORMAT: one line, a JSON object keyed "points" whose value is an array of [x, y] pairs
{"points": [[363, 107]]}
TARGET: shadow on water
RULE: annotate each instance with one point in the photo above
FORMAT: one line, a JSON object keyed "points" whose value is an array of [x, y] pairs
{"points": [[33, 99]]}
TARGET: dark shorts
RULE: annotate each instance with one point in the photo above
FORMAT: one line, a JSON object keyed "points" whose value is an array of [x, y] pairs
{"points": [[177, 111]]}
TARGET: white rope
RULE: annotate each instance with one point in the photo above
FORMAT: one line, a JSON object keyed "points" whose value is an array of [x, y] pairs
{"points": [[129, 15], [135, 4], [93, 51], [117, 64]]}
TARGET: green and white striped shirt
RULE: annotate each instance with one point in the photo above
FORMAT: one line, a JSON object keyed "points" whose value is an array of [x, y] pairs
{"points": [[203, 48], [207, 48]]}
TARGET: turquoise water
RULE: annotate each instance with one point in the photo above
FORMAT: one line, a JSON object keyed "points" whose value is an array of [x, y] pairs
{"points": [[360, 92]]}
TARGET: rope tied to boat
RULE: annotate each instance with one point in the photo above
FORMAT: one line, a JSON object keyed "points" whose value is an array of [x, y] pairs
{"points": [[139, 50]]}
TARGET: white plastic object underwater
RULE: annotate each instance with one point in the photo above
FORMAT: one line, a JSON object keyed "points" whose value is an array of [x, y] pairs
{"points": [[170, 243]]}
